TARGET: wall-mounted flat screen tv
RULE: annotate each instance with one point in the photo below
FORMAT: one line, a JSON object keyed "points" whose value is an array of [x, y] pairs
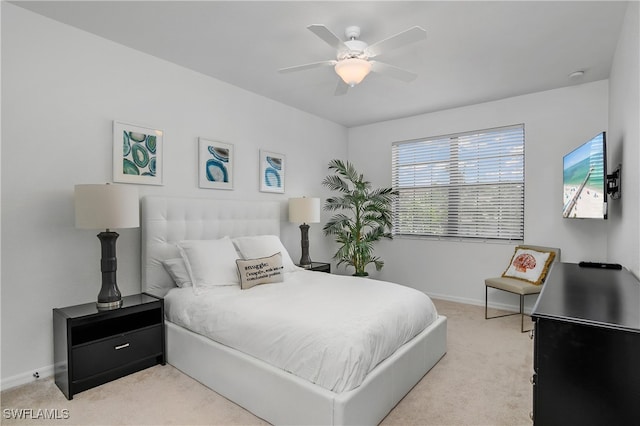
{"points": [[584, 180]]}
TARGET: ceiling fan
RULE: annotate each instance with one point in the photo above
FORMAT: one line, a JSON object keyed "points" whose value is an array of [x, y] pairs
{"points": [[353, 57]]}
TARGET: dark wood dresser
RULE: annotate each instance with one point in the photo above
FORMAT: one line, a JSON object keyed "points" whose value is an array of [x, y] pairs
{"points": [[587, 348]]}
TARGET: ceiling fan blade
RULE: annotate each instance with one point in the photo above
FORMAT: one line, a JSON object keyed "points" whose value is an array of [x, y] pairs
{"points": [[307, 66], [325, 34], [341, 88], [391, 71], [409, 36]]}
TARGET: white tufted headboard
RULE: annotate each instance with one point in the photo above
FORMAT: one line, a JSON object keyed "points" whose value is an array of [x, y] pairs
{"points": [[167, 220]]}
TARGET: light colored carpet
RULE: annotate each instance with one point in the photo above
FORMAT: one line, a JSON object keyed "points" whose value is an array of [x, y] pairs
{"points": [[482, 380]]}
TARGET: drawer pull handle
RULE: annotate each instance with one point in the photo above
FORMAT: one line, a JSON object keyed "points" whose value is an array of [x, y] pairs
{"points": [[117, 348]]}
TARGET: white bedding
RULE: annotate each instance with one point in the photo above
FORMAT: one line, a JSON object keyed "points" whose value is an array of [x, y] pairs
{"points": [[329, 329]]}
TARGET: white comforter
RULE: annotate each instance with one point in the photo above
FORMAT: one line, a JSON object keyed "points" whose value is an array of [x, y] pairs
{"points": [[329, 329]]}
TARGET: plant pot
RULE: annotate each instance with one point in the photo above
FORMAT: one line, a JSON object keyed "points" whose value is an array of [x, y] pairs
{"points": [[364, 274]]}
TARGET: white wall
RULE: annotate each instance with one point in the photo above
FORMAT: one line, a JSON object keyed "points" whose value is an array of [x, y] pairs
{"points": [[624, 141], [62, 88], [555, 122]]}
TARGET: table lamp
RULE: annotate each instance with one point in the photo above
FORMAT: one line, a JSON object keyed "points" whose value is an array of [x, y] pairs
{"points": [[304, 210], [105, 206]]}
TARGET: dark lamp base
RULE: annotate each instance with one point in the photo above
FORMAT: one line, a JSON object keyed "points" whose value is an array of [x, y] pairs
{"points": [[109, 296], [305, 260], [106, 306]]}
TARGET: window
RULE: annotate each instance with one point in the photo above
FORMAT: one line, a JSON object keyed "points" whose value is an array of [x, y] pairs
{"points": [[467, 185]]}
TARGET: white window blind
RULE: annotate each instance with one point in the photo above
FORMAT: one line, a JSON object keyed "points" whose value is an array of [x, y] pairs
{"points": [[466, 185]]}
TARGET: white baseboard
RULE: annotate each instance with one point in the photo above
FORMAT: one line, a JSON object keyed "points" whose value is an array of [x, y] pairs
{"points": [[27, 377], [476, 302]]}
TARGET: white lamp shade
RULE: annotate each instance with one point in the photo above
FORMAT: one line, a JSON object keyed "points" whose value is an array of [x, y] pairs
{"points": [[353, 70], [304, 210], [107, 206]]}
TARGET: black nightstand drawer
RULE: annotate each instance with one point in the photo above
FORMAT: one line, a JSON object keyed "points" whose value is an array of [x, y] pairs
{"points": [[98, 357]]}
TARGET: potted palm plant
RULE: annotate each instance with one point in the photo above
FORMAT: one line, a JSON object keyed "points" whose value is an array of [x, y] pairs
{"points": [[364, 216]]}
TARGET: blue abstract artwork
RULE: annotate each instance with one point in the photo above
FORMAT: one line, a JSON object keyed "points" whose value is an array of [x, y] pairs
{"points": [[137, 154], [272, 169], [216, 164]]}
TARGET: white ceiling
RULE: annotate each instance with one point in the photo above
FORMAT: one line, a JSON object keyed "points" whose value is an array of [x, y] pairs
{"points": [[475, 51]]}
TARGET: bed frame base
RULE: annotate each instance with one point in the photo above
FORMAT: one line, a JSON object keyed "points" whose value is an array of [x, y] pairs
{"points": [[266, 391], [282, 398]]}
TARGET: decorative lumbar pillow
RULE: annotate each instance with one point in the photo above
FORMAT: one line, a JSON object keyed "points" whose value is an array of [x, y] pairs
{"points": [[262, 246], [178, 271], [260, 271], [210, 262], [529, 265]]}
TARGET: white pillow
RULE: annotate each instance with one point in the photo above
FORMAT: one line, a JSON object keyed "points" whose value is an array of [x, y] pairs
{"points": [[178, 271], [210, 262], [264, 246], [264, 270]]}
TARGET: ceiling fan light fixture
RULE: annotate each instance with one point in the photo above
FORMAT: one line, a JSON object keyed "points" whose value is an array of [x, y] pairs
{"points": [[353, 70]]}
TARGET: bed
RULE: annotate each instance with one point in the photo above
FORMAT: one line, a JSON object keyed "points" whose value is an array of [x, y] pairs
{"points": [[269, 392]]}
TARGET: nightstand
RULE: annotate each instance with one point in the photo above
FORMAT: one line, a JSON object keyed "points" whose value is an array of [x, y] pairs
{"points": [[93, 347], [319, 267]]}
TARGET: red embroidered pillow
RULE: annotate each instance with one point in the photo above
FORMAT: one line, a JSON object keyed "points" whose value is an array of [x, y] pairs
{"points": [[529, 265]]}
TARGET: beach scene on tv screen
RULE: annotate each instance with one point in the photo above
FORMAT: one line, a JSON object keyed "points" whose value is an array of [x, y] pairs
{"points": [[583, 178]]}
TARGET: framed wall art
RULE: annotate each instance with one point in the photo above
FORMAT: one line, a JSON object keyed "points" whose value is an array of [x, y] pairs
{"points": [[215, 164], [137, 154], [272, 171]]}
